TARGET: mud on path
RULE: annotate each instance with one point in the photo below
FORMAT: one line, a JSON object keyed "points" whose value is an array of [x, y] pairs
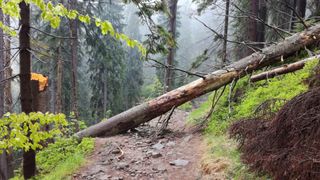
{"points": [[139, 155]]}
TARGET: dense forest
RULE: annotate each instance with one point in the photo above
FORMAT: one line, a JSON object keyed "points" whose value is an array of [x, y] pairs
{"points": [[159, 89]]}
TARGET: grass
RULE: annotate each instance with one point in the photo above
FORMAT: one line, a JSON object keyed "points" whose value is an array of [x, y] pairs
{"points": [[65, 169], [223, 160], [61, 159], [222, 157]]}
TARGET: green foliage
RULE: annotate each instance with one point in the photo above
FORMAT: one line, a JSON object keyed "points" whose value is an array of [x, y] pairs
{"points": [[53, 13], [284, 87], [60, 151], [22, 131], [204, 4], [106, 65], [60, 159], [64, 170], [244, 101], [248, 97], [74, 125], [134, 65], [152, 90]]}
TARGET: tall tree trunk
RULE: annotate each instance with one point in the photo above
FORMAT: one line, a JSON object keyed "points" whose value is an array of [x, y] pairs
{"points": [[301, 8], [8, 72], [58, 106], [29, 163], [169, 79], [52, 89], [293, 4], [261, 28], [7, 90], [3, 156], [253, 28], [256, 30], [213, 81], [298, 11], [2, 64], [316, 9], [225, 33], [74, 61]]}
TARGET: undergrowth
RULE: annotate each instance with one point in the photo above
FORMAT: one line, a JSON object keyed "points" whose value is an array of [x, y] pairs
{"points": [[60, 159], [246, 97], [243, 102], [223, 160], [63, 157]]}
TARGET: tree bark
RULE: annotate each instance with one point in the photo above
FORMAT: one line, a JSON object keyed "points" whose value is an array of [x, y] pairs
{"points": [[29, 167], [256, 30], [301, 8], [169, 79], [225, 33], [160, 105], [3, 156], [261, 28], [74, 61], [2, 64], [58, 106], [7, 91], [7, 72], [282, 70]]}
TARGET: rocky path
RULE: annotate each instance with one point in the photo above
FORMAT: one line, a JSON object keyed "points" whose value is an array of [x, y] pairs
{"points": [[139, 155]]}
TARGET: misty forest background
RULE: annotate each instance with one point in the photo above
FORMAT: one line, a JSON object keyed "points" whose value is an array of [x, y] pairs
{"points": [[112, 77], [93, 76]]}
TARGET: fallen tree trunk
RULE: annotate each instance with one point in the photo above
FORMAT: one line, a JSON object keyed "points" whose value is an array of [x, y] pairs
{"points": [[162, 104], [282, 70]]}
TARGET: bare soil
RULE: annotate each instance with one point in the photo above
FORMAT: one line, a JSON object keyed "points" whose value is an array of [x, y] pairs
{"points": [[139, 155]]}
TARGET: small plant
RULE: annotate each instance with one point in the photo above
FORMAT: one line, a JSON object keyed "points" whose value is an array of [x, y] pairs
{"points": [[59, 152], [152, 90], [26, 131], [74, 125]]}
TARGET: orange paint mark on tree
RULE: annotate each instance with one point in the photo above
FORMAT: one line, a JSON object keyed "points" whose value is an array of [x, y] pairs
{"points": [[43, 80]]}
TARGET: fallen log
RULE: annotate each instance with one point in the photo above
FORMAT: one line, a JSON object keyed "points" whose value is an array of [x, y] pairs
{"points": [[213, 81], [287, 68]]}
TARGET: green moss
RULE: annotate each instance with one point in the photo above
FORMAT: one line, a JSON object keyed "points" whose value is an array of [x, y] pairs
{"points": [[282, 87], [249, 97], [152, 90]]}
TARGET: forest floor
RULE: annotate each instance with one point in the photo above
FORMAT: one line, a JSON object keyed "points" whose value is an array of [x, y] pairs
{"points": [[139, 155]]}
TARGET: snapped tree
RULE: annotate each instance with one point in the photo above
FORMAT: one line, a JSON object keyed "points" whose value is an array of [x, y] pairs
{"points": [[162, 104]]}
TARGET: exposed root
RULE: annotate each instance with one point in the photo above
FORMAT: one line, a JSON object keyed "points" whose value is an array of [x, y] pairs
{"points": [[287, 145]]}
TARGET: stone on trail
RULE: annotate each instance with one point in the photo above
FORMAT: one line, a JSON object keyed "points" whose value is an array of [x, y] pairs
{"points": [[122, 166], [156, 154], [158, 146], [171, 143], [187, 139], [179, 162]]}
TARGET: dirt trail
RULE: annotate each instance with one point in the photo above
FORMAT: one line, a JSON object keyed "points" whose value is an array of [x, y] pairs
{"points": [[137, 155]]}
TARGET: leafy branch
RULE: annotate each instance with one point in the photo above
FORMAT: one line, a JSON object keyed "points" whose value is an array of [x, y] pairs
{"points": [[53, 13]]}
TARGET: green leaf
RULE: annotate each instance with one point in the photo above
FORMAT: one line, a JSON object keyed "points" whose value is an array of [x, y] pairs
{"points": [[72, 14]]}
